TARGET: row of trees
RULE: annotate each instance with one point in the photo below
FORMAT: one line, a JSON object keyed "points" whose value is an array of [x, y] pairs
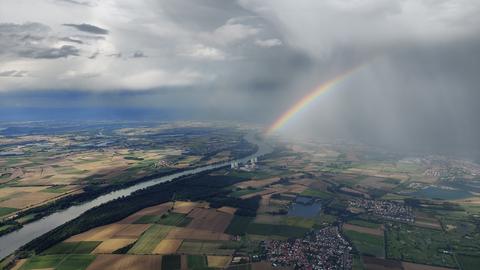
{"points": [[202, 186]]}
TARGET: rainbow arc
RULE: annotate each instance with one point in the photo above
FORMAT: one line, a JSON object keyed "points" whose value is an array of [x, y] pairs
{"points": [[305, 101]]}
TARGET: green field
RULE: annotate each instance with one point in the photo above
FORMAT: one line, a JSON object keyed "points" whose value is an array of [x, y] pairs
{"points": [[357, 263], [298, 222], [6, 210], [280, 230], [316, 193], [150, 239], [204, 247], [172, 262], [468, 262], [366, 243], [56, 189], [59, 262], [84, 247], [197, 262], [241, 192], [170, 219], [419, 245], [5, 228], [324, 219], [364, 223], [238, 225]]}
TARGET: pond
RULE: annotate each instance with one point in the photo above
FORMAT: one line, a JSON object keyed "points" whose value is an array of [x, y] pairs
{"points": [[305, 207]]}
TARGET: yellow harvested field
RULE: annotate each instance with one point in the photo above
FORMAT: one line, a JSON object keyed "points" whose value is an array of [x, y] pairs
{"points": [[305, 181], [227, 210], [209, 219], [184, 262], [19, 264], [218, 261], [65, 169], [423, 219], [269, 219], [297, 188], [111, 245], [154, 210], [184, 207], [219, 157], [195, 234], [101, 233], [376, 182], [7, 191], [257, 183], [265, 205], [260, 193], [361, 229], [416, 266], [187, 161], [132, 231], [471, 201], [167, 246], [426, 224], [131, 262], [23, 200]]}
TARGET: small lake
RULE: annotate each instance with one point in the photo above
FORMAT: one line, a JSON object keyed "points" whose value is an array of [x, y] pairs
{"points": [[304, 207]]}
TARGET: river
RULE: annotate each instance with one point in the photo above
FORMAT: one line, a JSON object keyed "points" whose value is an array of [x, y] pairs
{"points": [[14, 240]]}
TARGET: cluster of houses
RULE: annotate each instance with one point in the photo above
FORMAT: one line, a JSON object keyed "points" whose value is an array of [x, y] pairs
{"points": [[319, 249], [385, 209]]}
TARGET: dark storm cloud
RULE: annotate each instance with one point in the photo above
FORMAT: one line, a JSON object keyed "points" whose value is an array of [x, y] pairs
{"points": [[75, 2], [138, 54], [116, 55], [253, 59], [72, 40], [203, 15], [31, 40], [23, 30], [14, 36], [94, 55], [49, 53], [89, 28]]}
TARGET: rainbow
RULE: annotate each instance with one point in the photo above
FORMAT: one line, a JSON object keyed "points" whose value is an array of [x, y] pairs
{"points": [[308, 99]]}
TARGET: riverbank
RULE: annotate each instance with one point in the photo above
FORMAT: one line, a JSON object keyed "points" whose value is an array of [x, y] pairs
{"points": [[13, 241]]}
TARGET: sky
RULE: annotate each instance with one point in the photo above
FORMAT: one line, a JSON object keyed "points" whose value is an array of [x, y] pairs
{"points": [[250, 60]]}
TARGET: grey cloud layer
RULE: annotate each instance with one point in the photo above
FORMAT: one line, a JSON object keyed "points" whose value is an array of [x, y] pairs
{"points": [[251, 59], [32, 40], [85, 27], [13, 73]]}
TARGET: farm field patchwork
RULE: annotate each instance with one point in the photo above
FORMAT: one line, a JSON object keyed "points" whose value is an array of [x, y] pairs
{"points": [[367, 244], [83, 247], [111, 245], [169, 219], [150, 239], [418, 245], [121, 262], [244, 218], [60, 262], [203, 247], [167, 246]]}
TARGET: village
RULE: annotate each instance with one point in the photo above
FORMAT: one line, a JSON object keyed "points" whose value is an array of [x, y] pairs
{"points": [[319, 249], [385, 209]]}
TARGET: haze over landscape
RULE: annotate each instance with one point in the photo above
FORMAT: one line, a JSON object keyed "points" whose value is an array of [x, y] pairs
{"points": [[248, 60], [219, 134]]}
